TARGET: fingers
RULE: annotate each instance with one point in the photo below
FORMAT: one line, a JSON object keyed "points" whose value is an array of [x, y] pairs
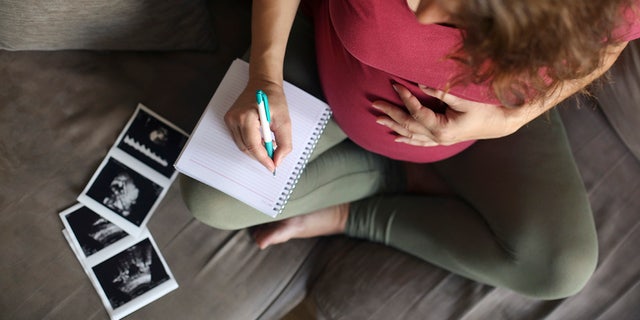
{"points": [[452, 101], [282, 130], [238, 123], [418, 125], [414, 124], [462, 119], [236, 135], [245, 131], [243, 122], [424, 116], [409, 129]]}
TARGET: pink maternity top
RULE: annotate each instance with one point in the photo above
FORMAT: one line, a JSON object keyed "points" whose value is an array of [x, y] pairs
{"points": [[363, 46]]}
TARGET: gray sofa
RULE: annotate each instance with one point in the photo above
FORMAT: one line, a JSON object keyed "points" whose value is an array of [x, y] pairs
{"points": [[60, 111]]}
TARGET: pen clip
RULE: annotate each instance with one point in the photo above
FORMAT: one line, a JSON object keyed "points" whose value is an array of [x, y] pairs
{"points": [[261, 97]]}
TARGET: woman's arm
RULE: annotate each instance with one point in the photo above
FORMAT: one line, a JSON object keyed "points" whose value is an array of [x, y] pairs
{"points": [[271, 23], [467, 120], [270, 27]]}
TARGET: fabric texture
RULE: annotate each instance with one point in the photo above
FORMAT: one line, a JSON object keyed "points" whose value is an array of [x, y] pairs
{"points": [[362, 42], [342, 173], [61, 111], [347, 163], [380, 43], [517, 215], [105, 25], [629, 27], [619, 97], [510, 197], [366, 280]]}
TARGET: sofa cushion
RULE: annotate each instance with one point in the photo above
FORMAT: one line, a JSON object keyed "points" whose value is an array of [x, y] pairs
{"points": [[619, 98], [59, 114], [105, 25], [362, 280]]}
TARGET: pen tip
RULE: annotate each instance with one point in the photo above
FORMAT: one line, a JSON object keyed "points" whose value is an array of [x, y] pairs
{"points": [[274, 172]]}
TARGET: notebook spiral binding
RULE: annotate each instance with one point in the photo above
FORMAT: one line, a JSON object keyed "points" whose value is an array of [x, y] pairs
{"points": [[302, 162]]}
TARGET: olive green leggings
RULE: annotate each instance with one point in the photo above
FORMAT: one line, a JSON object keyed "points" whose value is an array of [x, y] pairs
{"points": [[509, 212], [516, 215]]}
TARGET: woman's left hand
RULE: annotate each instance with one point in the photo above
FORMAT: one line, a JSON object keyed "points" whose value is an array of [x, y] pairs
{"points": [[463, 120]]}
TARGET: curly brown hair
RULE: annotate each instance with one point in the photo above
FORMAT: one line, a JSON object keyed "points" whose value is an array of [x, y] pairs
{"points": [[526, 49]]}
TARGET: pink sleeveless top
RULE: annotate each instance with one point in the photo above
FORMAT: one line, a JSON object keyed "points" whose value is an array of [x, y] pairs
{"points": [[363, 46]]}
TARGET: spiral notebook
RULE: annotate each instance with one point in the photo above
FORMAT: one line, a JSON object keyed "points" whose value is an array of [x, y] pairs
{"points": [[212, 157]]}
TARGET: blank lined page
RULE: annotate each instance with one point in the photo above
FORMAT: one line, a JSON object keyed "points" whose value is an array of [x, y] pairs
{"points": [[212, 157]]}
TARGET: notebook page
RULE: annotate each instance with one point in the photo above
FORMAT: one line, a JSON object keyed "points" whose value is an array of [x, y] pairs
{"points": [[212, 157]]}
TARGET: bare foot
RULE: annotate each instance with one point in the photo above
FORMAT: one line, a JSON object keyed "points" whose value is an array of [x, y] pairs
{"points": [[326, 221]]}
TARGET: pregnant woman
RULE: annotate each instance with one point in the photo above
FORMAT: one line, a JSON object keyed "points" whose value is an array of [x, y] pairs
{"points": [[445, 144]]}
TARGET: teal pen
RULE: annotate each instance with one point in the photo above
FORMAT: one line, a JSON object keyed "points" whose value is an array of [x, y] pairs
{"points": [[265, 122]]}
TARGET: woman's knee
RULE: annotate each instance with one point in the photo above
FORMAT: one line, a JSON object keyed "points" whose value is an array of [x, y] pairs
{"points": [[211, 206], [559, 271]]}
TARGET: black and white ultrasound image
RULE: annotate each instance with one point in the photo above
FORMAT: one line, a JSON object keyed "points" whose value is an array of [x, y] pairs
{"points": [[125, 191], [130, 273], [92, 231], [153, 142]]}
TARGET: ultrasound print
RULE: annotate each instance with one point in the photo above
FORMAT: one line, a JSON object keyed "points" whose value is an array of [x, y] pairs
{"points": [[130, 273], [153, 142], [124, 191], [92, 231]]}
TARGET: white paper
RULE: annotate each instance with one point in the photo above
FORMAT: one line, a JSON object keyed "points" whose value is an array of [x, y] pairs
{"points": [[212, 157]]}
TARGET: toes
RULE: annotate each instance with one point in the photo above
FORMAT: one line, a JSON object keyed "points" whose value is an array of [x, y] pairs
{"points": [[276, 232], [268, 234], [260, 235]]}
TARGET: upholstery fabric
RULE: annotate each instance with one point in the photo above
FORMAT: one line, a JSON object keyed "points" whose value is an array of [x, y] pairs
{"points": [[363, 280], [620, 97], [61, 111], [105, 25]]}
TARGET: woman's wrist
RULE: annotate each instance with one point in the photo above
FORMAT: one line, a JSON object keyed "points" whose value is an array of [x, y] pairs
{"points": [[264, 67], [518, 117]]}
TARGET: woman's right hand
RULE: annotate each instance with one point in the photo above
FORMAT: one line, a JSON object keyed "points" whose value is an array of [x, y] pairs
{"points": [[271, 23], [243, 121]]}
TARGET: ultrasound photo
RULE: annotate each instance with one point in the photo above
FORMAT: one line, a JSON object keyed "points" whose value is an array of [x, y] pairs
{"points": [[125, 191], [92, 231], [153, 142], [131, 273]]}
